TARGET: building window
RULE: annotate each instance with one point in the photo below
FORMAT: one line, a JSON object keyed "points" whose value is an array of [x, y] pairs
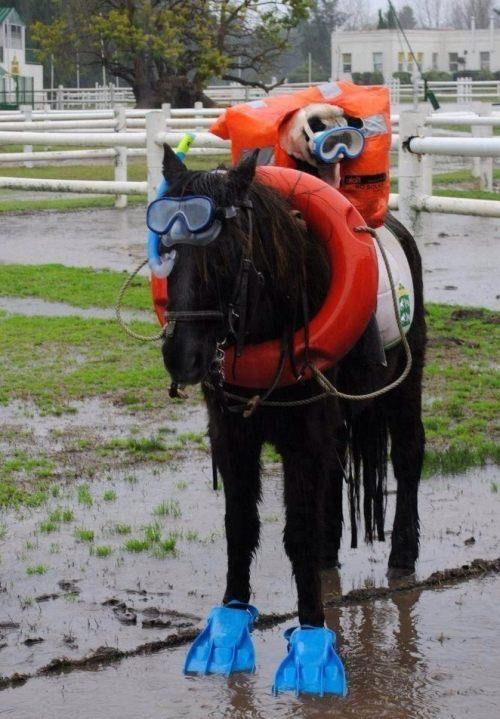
{"points": [[16, 37], [378, 62], [401, 62], [435, 61], [453, 61], [484, 60], [346, 62]]}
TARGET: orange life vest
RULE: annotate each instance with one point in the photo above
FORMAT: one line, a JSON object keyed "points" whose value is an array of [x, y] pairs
{"points": [[365, 179]]}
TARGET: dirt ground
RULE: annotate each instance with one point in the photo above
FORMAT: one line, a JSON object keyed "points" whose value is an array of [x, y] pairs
{"points": [[409, 653]]}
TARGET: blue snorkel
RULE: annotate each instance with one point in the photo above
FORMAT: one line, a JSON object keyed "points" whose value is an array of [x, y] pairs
{"points": [[162, 266]]}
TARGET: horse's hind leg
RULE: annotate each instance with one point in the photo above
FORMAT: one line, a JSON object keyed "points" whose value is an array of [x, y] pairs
{"points": [[403, 413], [237, 453]]}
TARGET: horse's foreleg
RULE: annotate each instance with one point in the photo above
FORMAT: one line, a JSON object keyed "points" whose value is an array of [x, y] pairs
{"points": [[238, 458], [332, 522], [302, 531]]}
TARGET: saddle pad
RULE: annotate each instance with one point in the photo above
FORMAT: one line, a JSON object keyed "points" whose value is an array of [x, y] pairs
{"points": [[403, 282]]}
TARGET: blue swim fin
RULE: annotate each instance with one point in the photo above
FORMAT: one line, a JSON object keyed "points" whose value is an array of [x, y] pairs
{"points": [[312, 665], [224, 645]]}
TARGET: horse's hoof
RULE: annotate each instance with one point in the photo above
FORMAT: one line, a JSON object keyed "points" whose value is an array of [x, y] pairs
{"points": [[395, 573]]}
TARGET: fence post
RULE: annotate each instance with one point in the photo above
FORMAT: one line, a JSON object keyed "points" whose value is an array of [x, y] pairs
{"points": [[59, 98], [155, 123], [121, 155], [198, 106], [410, 179], [482, 167], [27, 111]]}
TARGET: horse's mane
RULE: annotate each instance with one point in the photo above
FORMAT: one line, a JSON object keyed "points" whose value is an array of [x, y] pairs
{"points": [[289, 256]]}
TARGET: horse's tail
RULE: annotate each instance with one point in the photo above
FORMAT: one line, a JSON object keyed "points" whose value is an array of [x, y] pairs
{"points": [[368, 440]]}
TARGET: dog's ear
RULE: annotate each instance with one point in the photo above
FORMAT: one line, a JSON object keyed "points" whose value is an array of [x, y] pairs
{"points": [[172, 166], [242, 175]]}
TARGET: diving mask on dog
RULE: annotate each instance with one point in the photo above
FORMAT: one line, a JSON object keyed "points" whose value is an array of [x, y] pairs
{"points": [[335, 144]]}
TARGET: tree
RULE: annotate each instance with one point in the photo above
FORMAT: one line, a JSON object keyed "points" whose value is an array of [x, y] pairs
{"points": [[406, 17], [463, 10], [386, 20], [167, 50], [430, 13], [315, 33]]}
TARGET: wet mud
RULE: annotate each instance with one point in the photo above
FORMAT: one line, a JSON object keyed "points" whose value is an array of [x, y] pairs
{"points": [[458, 255], [88, 611], [420, 654]]}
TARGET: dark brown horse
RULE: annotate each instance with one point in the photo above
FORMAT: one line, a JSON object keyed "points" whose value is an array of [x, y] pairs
{"points": [[322, 444]]}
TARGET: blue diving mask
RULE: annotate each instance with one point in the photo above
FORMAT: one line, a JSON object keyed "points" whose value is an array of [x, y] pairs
{"points": [[192, 219], [335, 144]]}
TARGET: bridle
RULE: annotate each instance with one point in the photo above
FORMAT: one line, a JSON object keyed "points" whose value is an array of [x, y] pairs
{"points": [[237, 320]]}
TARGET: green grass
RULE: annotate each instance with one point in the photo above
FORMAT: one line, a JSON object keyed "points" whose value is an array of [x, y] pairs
{"points": [[83, 495], [84, 535], [65, 204], [109, 495], [37, 569], [55, 360], [168, 508], [62, 515], [122, 529], [103, 550], [80, 287], [153, 542], [460, 181], [48, 526], [136, 545], [3, 531]]}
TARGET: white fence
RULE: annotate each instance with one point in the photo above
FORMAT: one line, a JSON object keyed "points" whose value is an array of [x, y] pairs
{"points": [[463, 90], [414, 145]]}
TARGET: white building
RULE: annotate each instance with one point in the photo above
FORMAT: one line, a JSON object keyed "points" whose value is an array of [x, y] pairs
{"points": [[385, 51], [19, 77]]}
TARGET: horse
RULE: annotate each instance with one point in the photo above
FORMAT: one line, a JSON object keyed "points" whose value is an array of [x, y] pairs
{"points": [[322, 444]]}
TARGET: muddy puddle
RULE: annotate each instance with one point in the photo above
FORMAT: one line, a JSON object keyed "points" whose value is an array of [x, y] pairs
{"points": [[414, 655], [71, 589], [459, 253], [33, 307]]}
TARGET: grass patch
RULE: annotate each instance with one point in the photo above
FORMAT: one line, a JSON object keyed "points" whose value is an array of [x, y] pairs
{"points": [[80, 287], [84, 496], [102, 551], [109, 495], [84, 535], [65, 204], [61, 515], [269, 454], [55, 360], [168, 508], [48, 526], [37, 569], [3, 531], [153, 542], [122, 529]]}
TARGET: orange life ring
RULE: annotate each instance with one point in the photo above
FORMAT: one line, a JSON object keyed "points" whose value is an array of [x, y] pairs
{"points": [[352, 294]]}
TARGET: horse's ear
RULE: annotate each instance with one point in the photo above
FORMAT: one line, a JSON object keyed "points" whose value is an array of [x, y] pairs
{"points": [[244, 172], [172, 166]]}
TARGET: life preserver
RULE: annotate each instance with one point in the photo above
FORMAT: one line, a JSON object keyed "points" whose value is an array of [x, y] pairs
{"points": [[351, 297]]}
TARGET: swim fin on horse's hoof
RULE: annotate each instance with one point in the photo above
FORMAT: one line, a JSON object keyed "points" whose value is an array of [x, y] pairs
{"points": [[224, 646], [312, 665]]}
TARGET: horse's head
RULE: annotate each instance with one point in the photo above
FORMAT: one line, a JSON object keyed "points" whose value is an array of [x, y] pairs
{"points": [[240, 264]]}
